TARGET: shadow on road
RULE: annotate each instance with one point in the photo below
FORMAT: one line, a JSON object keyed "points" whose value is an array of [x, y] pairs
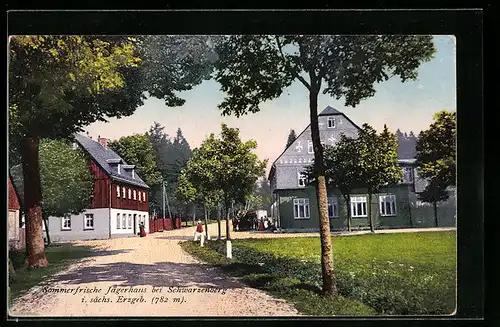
{"points": [[158, 274]]}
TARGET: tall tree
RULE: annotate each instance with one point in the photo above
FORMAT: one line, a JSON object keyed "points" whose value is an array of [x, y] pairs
{"points": [[434, 193], [227, 165], [378, 159], [291, 138], [58, 84], [436, 150], [66, 181], [342, 169], [137, 150], [255, 68]]}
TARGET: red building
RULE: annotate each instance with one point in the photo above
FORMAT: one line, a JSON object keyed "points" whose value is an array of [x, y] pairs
{"points": [[119, 202], [13, 220]]}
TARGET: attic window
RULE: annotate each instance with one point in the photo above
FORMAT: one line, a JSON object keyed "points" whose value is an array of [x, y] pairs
{"points": [[119, 173], [331, 122]]}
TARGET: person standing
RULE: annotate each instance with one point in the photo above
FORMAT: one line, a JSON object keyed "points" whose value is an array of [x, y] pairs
{"points": [[199, 233]]}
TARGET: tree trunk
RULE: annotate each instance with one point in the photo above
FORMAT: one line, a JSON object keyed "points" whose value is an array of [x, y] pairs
{"points": [[329, 287], [435, 213], [35, 247], [348, 207], [229, 250], [228, 213], [206, 219], [218, 222], [370, 211], [46, 229]]}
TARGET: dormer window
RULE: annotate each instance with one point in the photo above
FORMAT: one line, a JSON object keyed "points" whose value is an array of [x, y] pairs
{"points": [[331, 122], [119, 166]]}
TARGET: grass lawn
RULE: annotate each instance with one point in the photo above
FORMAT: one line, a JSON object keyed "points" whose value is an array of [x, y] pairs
{"points": [[59, 257], [377, 274]]}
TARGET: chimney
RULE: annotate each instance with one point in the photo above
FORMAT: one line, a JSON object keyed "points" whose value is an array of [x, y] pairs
{"points": [[103, 141]]}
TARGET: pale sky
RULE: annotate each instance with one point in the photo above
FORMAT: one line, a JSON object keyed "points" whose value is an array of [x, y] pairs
{"points": [[408, 106]]}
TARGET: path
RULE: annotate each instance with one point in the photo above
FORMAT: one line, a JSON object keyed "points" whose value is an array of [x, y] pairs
{"points": [[140, 264]]}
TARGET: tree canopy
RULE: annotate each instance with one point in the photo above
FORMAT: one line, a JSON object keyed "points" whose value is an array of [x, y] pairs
{"points": [[436, 150], [291, 138], [256, 68]]}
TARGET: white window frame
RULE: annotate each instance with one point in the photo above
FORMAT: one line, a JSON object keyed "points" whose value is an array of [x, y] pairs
{"points": [[355, 200], [328, 120], [144, 196], [63, 220], [310, 147], [135, 194], [383, 200], [297, 204], [333, 201], [117, 191], [124, 192], [118, 221], [129, 193], [130, 221], [86, 218], [124, 221], [301, 176]]}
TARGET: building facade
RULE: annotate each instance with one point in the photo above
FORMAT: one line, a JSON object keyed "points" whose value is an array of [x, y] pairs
{"points": [[295, 205], [119, 201], [13, 228]]}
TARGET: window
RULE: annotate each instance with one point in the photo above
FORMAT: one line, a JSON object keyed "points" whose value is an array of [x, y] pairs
{"points": [[333, 207], [310, 148], [124, 192], [387, 205], [89, 221], [408, 175], [118, 225], [331, 122], [129, 193], [144, 196], [358, 206], [129, 221], [118, 191], [302, 178], [301, 208], [124, 221], [66, 222], [135, 195]]}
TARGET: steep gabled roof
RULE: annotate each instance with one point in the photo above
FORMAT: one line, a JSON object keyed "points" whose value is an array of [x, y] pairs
{"points": [[108, 161], [328, 111], [406, 147]]}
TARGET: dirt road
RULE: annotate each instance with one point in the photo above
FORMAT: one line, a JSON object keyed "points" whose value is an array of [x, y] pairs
{"points": [[149, 276]]}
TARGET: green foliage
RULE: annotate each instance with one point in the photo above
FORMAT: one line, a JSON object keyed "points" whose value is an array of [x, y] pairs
{"points": [[137, 150], [399, 273], [171, 159], [436, 149], [304, 297], [256, 68], [225, 167], [378, 158], [65, 178]]}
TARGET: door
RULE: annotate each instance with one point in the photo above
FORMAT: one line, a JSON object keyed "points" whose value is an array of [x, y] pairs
{"points": [[135, 224]]}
